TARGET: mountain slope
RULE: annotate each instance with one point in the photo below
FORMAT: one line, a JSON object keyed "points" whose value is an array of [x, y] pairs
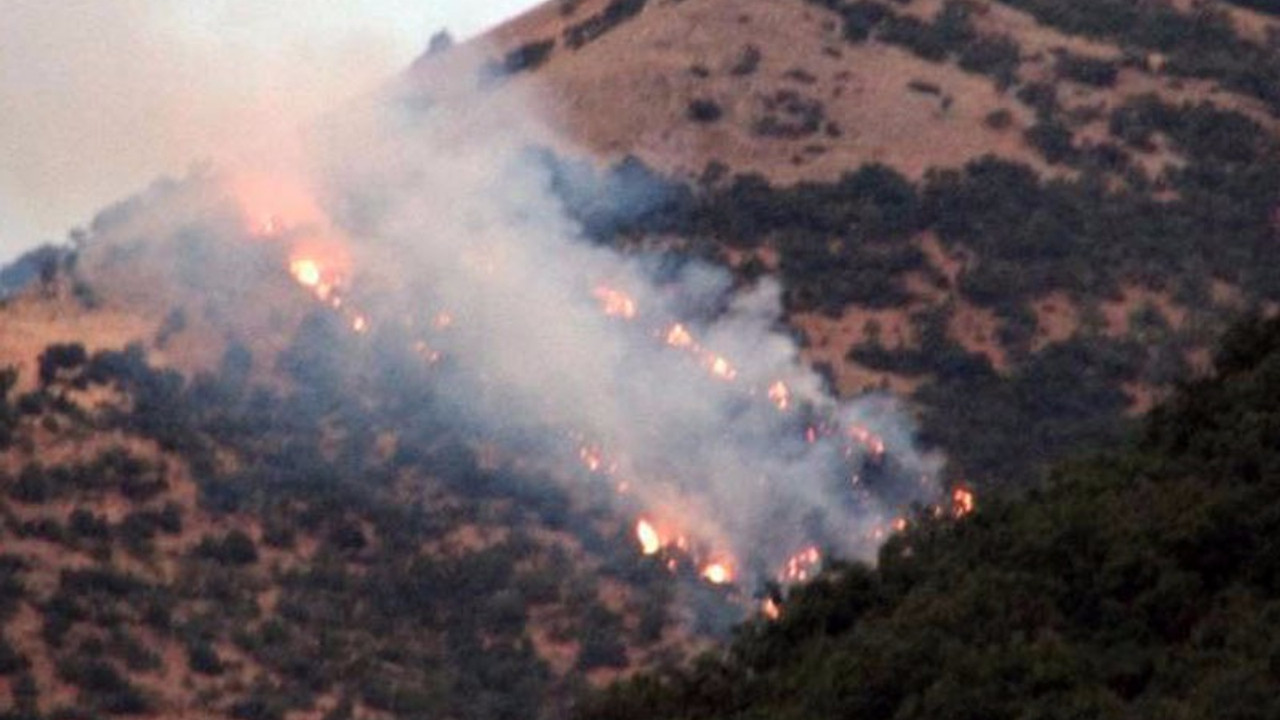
{"points": [[1142, 584], [1093, 181], [1032, 217]]}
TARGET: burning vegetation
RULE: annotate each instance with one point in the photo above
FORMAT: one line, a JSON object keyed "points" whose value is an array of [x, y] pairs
{"points": [[325, 270]]}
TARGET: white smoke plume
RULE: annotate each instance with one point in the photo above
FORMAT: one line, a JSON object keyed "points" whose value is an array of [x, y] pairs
{"points": [[449, 214]]}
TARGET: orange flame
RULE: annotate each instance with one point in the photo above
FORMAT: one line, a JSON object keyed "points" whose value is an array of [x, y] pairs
{"points": [[647, 534], [872, 442], [771, 609], [679, 337], [615, 303], [591, 458], [720, 367], [803, 565], [307, 272], [780, 395], [963, 502], [718, 573]]}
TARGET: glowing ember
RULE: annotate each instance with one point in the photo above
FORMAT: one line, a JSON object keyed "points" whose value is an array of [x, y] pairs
{"points": [[427, 353], [780, 395], [615, 303], [591, 458], [360, 324], [443, 321], [307, 272], [802, 566], [721, 368], [867, 439], [771, 609], [270, 225], [900, 524], [647, 534], [963, 502], [717, 573], [678, 337]]}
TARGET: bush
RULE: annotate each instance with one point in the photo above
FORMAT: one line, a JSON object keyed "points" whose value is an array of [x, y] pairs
{"points": [[32, 486], [235, 548], [704, 111], [204, 660], [58, 358], [12, 661], [748, 61], [1000, 119], [613, 15], [106, 688], [1087, 70], [526, 58], [997, 56], [1053, 140], [84, 524]]}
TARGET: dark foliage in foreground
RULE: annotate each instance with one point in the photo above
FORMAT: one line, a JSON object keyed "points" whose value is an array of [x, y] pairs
{"points": [[1144, 583]]}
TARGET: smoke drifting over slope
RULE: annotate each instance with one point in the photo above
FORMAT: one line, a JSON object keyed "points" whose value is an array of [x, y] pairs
{"points": [[432, 222], [686, 396], [100, 96]]}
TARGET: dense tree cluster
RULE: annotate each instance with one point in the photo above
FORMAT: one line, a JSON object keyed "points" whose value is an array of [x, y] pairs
{"points": [[950, 35], [1202, 43]]}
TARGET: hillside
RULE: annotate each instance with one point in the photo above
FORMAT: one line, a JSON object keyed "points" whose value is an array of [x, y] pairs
{"points": [[245, 474], [1139, 584], [212, 548], [1054, 208], [219, 500]]}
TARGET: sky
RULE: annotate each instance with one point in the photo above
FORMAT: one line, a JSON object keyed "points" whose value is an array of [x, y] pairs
{"points": [[99, 97]]}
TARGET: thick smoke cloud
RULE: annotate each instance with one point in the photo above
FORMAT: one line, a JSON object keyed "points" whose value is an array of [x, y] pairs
{"points": [[450, 213], [447, 221], [99, 96]]}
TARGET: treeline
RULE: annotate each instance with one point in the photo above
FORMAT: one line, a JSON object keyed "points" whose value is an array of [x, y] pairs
{"points": [[1141, 583], [951, 35], [1199, 43]]}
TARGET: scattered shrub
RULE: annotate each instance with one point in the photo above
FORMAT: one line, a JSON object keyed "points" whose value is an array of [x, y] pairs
{"points": [[704, 111]]}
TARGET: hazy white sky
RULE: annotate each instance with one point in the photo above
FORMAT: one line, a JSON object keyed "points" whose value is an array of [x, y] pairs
{"points": [[98, 97]]}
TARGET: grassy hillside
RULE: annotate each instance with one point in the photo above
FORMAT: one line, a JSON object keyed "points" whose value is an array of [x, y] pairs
{"points": [[1142, 583], [212, 548], [1033, 217]]}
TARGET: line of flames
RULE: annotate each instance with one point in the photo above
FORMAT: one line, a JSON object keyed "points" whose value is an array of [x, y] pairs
{"points": [[317, 276]]}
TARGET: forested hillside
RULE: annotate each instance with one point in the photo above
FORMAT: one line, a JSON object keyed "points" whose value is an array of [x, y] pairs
{"points": [[234, 483], [1142, 582], [1033, 294], [211, 548]]}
